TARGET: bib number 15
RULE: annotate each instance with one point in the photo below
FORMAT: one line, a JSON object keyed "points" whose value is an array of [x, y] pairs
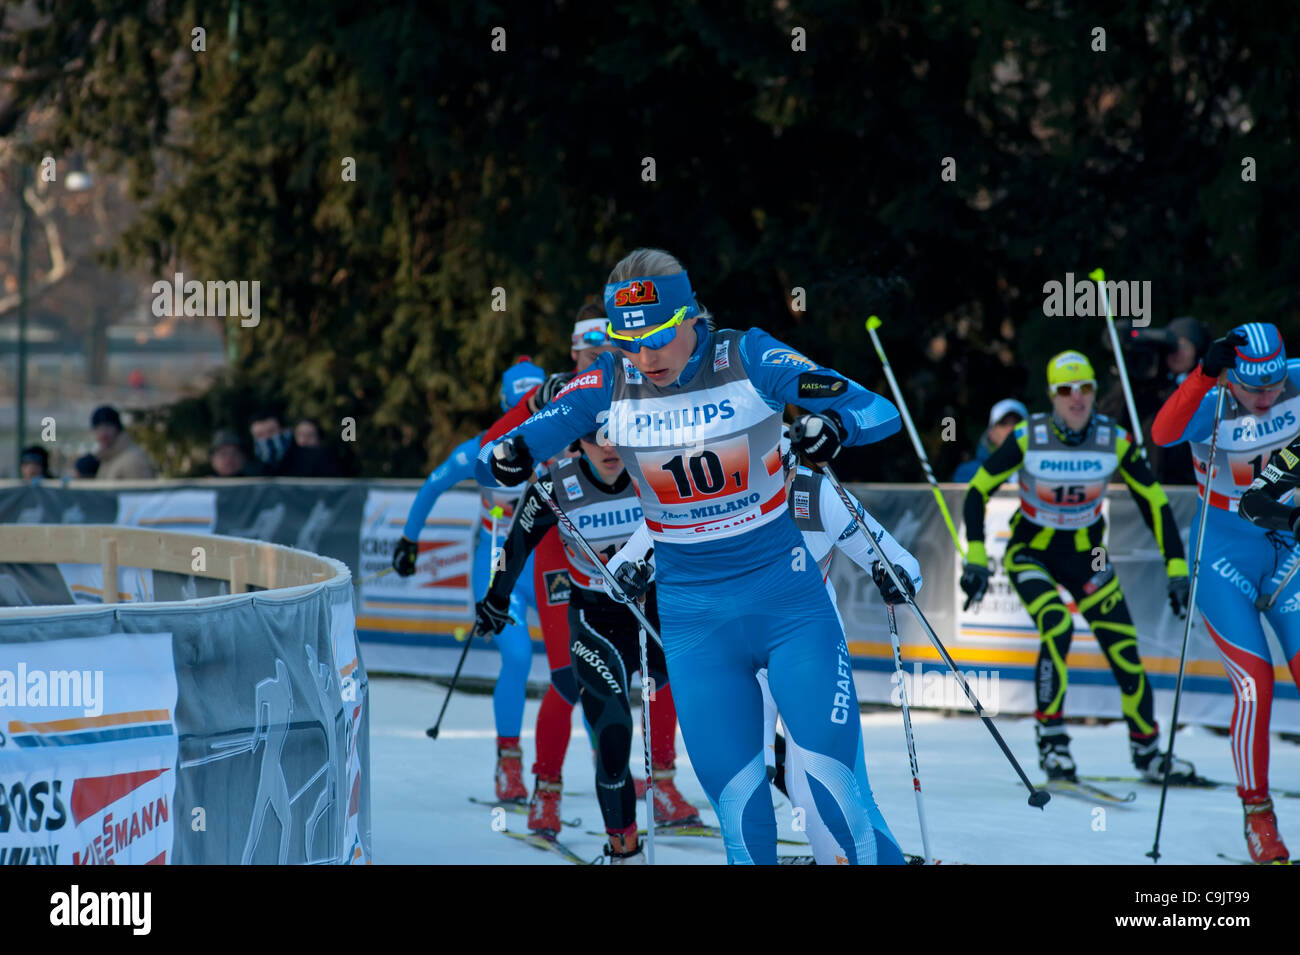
{"points": [[682, 476], [1073, 494]]}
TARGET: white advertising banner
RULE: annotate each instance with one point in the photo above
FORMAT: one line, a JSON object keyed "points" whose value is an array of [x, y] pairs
{"points": [[438, 598], [86, 583], [88, 750], [188, 509]]}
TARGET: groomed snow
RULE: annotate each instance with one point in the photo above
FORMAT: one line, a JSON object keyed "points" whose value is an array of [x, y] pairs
{"points": [[975, 806]]}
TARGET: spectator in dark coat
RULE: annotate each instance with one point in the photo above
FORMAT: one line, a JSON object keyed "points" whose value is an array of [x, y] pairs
{"points": [[120, 458], [34, 464], [229, 459], [281, 452]]}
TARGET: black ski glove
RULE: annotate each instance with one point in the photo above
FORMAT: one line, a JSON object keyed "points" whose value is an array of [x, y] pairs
{"points": [[491, 617], [1179, 589], [1295, 523], [974, 583], [634, 578], [552, 386], [888, 592], [1222, 354], [817, 437], [404, 556], [511, 461]]}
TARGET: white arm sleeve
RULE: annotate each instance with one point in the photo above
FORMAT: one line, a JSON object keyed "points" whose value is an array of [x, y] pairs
{"points": [[844, 530], [635, 549]]}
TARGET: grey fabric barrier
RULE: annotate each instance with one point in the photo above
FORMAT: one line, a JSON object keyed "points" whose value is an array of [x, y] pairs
{"points": [[220, 730], [409, 622]]}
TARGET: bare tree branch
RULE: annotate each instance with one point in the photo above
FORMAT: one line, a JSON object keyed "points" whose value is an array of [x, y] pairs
{"points": [[59, 265]]}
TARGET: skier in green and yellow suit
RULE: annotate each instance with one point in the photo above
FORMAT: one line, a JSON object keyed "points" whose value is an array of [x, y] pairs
{"points": [[1065, 460]]}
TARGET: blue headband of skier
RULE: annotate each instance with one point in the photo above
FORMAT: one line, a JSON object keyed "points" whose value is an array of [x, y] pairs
{"points": [[636, 305]]}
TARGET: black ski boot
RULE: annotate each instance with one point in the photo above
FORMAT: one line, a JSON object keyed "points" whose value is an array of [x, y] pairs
{"points": [[1145, 752], [1054, 753]]}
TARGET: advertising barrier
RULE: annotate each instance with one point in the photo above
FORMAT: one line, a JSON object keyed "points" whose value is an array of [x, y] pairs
{"points": [[407, 624], [178, 725]]}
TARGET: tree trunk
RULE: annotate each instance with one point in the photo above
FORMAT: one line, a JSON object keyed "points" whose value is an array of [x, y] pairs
{"points": [[97, 348]]}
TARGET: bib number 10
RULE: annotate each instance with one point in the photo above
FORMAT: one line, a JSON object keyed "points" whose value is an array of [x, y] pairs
{"points": [[699, 475], [678, 477]]}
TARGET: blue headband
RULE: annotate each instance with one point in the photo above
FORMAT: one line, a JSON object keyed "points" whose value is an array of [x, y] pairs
{"points": [[643, 303]]}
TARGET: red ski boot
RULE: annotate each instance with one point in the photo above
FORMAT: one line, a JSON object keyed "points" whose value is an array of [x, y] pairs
{"points": [[1262, 838], [623, 848], [510, 771], [671, 807], [544, 810]]}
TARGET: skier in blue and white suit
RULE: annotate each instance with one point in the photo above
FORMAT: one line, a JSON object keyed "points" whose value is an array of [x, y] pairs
{"points": [[696, 415], [826, 526]]}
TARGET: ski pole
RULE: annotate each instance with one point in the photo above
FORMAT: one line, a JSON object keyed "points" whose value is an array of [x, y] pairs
{"points": [[432, 731], [616, 588], [375, 576], [1191, 612], [1099, 276], [907, 727], [872, 324], [1263, 602], [1037, 797], [646, 694], [496, 512]]}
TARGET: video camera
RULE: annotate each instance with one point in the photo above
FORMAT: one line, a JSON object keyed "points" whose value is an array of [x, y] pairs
{"points": [[1144, 348]]}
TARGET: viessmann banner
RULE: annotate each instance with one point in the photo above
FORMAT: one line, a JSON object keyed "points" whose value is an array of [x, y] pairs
{"points": [[88, 752], [359, 522]]}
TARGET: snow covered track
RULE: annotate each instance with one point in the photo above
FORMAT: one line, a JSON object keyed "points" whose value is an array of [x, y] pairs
{"points": [[422, 814]]}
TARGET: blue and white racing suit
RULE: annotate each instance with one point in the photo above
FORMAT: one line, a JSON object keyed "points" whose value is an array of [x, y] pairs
{"points": [[704, 454]]}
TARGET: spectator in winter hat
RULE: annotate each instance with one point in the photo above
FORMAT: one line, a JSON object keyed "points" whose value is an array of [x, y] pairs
{"points": [[120, 458], [228, 458], [1003, 418], [34, 464]]}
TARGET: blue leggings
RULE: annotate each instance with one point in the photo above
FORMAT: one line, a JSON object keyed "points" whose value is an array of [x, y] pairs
{"points": [[1237, 562], [716, 637], [514, 641]]}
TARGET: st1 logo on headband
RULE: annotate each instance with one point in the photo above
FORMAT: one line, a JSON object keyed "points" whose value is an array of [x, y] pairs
{"points": [[637, 293]]}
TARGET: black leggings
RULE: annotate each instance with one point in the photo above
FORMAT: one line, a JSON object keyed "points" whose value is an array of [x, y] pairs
{"points": [[1037, 559], [604, 648]]}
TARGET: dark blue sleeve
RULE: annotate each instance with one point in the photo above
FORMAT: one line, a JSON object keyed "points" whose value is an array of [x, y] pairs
{"points": [[459, 466], [783, 376], [580, 408]]}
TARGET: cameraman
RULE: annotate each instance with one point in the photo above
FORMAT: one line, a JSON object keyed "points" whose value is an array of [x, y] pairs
{"points": [[1158, 359]]}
